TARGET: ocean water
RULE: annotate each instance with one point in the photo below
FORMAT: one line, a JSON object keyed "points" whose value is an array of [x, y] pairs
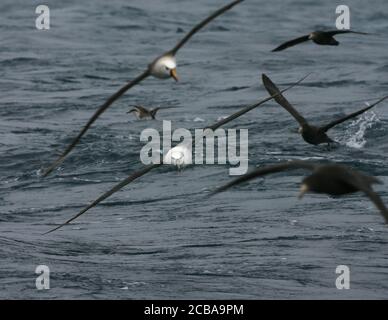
{"points": [[160, 237]]}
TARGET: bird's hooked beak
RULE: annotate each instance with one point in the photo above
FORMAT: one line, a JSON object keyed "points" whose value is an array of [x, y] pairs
{"points": [[303, 189], [174, 74], [132, 110]]}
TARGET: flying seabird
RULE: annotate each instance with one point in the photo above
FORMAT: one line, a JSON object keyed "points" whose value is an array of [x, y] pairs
{"points": [[162, 67], [173, 156], [318, 37], [142, 112], [332, 179], [311, 134]]}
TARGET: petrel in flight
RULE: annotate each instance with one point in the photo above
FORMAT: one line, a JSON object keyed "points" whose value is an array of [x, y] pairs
{"points": [[318, 37], [310, 133], [331, 178]]}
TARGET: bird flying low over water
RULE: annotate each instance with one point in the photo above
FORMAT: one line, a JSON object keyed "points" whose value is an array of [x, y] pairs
{"points": [[150, 167], [318, 37], [311, 134], [163, 67], [142, 112], [332, 179]]}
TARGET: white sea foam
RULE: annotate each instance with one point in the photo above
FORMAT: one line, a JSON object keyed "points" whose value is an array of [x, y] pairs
{"points": [[354, 136]]}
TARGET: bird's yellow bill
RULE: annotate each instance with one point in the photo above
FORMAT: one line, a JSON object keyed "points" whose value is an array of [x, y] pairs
{"points": [[174, 74], [303, 189]]}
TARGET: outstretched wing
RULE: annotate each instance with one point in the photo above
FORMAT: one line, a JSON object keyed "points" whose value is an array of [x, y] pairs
{"points": [[291, 43], [334, 32], [296, 164], [250, 107], [202, 24], [155, 110], [360, 184], [95, 116], [279, 98], [375, 198], [107, 194], [350, 116]]}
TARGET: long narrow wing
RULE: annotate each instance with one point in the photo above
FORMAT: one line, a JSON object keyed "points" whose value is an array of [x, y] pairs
{"points": [[107, 194], [202, 24], [350, 116], [95, 116], [334, 32], [272, 89], [373, 196], [252, 106], [291, 43], [296, 164]]}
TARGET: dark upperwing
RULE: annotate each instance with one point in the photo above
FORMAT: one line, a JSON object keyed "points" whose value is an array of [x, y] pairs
{"points": [[334, 32], [117, 187], [291, 43], [361, 184], [296, 164], [252, 106], [350, 116], [202, 24], [280, 99]]}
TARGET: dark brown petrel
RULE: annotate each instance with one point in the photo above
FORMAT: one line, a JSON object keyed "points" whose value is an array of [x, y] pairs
{"points": [[311, 134], [332, 179], [142, 112], [318, 37], [163, 67]]}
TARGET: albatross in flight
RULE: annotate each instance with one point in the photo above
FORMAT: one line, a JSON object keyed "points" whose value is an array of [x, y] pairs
{"points": [[162, 67], [318, 37], [311, 134], [171, 152], [332, 179]]}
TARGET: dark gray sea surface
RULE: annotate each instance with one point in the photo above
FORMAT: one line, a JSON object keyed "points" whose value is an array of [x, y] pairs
{"points": [[161, 237]]}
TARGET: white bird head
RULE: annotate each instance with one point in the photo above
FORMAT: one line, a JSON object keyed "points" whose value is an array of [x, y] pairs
{"points": [[164, 67]]}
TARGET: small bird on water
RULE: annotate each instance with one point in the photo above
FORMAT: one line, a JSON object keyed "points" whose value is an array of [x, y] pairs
{"points": [[332, 179], [318, 37], [311, 134]]}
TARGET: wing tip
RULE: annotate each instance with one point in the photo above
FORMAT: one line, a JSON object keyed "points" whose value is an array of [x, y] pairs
{"points": [[52, 230], [264, 77]]}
